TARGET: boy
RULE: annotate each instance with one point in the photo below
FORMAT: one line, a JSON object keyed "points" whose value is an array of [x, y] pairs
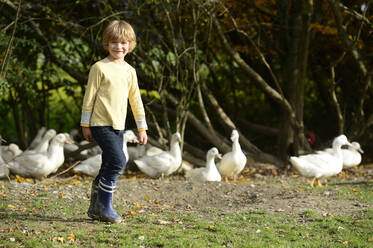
{"points": [[111, 83]]}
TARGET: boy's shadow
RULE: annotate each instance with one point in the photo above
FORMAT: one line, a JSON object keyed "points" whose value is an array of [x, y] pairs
{"points": [[38, 218]]}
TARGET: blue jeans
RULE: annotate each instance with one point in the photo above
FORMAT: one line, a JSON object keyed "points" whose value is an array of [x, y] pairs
{"points": [[113, 158]]}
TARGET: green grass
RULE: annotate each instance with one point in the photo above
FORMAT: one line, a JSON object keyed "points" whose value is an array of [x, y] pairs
{"points": [[47, 219], [170, 229]]}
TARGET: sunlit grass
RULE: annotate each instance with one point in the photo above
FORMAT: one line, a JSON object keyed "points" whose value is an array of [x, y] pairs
{"points": [[50, 218]]}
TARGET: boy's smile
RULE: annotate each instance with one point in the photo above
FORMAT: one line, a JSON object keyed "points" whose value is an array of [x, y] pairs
{"points": [[118, 50]]}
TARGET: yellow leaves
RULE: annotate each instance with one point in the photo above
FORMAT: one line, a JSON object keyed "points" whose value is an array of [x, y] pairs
{"points": [[2, 194], [74, 181], [11, 206], [61, 195], [58, 239], [342, 175], [147, 198], [138, 205], [242, 180], [19, 179], [343, 242], [324, 29], [71, 237], [211, 228]]}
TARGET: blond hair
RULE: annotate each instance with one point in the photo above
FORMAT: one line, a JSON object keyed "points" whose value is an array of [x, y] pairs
{"points": [[119, 31]]}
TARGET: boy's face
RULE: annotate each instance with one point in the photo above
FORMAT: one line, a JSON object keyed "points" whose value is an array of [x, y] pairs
{"points": [[118, 50]]}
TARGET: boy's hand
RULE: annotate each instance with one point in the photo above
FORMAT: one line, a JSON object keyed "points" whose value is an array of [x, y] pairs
{"points": [[143, 137], [87, 134]]}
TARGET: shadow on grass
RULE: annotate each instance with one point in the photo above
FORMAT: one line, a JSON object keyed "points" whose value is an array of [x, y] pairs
{"points": [[38, 218], [352, 183]]}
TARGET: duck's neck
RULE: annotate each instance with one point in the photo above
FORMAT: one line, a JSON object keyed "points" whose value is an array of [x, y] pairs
{"points": [[210, 163], [175, 149], [125, 150], [337, 151], [236, 147], [54, 149]]}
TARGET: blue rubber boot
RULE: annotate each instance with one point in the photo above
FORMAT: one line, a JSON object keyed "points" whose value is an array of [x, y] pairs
{"points": [[106, 189], [92, 210]]}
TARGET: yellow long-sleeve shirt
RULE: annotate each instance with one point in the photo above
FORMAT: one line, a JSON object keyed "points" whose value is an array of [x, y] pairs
{"points": [[109, 88]]}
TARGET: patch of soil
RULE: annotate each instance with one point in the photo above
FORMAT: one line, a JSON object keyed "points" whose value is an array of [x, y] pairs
{"points": [[262, 188]]}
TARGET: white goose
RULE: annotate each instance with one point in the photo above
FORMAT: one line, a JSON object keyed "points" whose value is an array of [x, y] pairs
{"points": [[4, 171], [208, 173], [37, 138], [91, 166], [39, 165], [10, 151], [43, 145], [138, 151], [232, 162], [164, 163], [321, 164], [351, 155]]}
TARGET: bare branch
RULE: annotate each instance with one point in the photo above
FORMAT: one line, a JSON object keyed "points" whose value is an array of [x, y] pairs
{"points": [[4, 66], [344, 37]]}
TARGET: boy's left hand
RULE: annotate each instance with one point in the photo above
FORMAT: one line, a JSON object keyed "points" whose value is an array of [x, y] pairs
{"points": [[143, 137]]}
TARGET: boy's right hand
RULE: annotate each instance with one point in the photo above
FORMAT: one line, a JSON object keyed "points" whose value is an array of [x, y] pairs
{"points": [[87, 134]]}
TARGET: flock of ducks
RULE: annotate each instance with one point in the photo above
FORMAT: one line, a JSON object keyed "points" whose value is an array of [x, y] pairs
{"points": [[328, 162], [45, 156]]}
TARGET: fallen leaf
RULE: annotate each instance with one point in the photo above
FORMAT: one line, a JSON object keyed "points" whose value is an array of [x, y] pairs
{"points": [[74, 181], [19, 179], [163, 222], [71, 237], [58, 239]]}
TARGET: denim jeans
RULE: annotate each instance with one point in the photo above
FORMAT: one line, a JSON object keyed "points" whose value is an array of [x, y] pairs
{"points": [[113, 158]]}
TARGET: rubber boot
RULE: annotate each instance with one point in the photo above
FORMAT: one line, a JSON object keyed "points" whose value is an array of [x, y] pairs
{"points": [[92, 210], [104, 205]]}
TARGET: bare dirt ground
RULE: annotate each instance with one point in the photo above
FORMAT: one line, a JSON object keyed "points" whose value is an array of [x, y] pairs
{"points": [[260, 188]]}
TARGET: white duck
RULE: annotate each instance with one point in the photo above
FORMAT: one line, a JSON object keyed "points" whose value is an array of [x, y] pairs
{"points": [[10, 151], [138, 151], [4, 171], [91, 151], [321, 164], [164, 163], [232, 162], [39, 165], [43, 145], [37, 138], [351, 155], [91, 166], [208, 173]]}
